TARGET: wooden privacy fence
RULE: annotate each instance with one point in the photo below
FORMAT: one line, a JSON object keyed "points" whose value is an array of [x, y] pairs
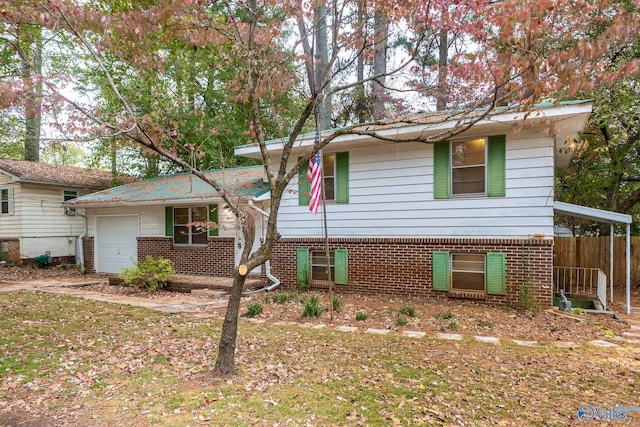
{"points": [[593, 252]]}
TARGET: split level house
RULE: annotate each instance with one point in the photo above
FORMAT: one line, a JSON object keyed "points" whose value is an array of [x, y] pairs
{"points": [[33, 221], [470, 217]]}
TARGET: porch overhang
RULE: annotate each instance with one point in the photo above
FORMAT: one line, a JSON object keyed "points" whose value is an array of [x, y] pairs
{"points": [[610, 218], [591, 213]]}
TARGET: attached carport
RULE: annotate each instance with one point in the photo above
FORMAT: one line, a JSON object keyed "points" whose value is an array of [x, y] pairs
{"points": [[609, 217]]}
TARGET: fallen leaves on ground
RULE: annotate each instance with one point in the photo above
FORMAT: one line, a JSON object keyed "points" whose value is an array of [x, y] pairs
{"points": [[70, 362]]}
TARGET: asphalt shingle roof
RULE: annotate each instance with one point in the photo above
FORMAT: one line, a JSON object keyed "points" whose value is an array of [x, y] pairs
{"points": [[240, 182], [46, 173]]}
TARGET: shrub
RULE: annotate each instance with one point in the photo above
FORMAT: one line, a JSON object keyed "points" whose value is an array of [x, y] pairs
{"points": [[453, 325], [303, 281], [362, 316], [254, 309], [526, 300], [336, 304], [401, 320], [484, 323], [312, 307], [447, 315], [151, 274], [407, 310], [281, 297]]}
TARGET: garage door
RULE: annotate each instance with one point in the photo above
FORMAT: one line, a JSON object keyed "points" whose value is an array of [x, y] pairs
{"points": [[116, 244]]}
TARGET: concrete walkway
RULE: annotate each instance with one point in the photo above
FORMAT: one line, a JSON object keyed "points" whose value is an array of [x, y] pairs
{"points": [[192, 304], [176, 303]]}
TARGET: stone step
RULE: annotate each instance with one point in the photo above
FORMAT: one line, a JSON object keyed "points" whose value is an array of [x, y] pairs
{"points": [[210, 293]]}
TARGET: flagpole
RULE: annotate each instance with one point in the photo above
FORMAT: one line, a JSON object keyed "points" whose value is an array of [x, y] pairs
{"points": [[325, 227]]}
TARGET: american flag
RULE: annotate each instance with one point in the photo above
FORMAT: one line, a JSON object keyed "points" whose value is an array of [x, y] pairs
{"points": [[314, 175]]}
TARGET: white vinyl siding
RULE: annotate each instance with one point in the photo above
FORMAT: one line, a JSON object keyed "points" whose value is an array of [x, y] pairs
{"points": [[10, 225], [391, 194], [38, 212]]}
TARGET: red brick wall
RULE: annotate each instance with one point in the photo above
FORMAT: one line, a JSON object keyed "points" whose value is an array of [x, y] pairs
{"points": [[215, 259], [87, 253], [402, 266]]}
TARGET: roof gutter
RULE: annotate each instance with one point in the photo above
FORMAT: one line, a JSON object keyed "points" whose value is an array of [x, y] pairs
{"points": [[267, 264]]}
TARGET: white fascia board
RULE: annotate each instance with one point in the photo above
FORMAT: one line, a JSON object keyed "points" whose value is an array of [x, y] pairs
{"points": [[180, 202], [263, 197], [572, 117], [591, 213]]}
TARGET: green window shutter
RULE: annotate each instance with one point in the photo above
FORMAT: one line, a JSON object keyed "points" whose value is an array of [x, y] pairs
{"points": [[302, 265], [341, 261], [441, 170], [441, 267], [213, 217], [303, 185], [342, 177], [496, 168], [168, 221], [496, 273]]}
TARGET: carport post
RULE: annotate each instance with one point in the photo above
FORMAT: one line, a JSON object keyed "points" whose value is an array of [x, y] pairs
{"points": [[611, 261]]}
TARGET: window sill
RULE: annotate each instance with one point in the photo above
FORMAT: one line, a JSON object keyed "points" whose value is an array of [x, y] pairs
{"points": [[475, 295], [469, 196]]}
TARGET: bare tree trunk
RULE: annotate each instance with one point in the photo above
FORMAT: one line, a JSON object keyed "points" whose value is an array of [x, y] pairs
{"points": [[322, 62], [381, 28], [443, 59], [113, 153], [225, 363], [361, 109], [31, 67]]}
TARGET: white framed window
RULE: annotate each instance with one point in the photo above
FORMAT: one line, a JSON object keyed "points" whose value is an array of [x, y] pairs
{"points": [[69, 195], [193, 235], [468, 272], [6, 201], [335, 169], [329, 171], [468, 166], [319, 266]]}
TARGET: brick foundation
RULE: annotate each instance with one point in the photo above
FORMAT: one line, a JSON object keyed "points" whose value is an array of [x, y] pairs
{"points": [[390, 266], [215, 259], [12, 252], [403, 266]]}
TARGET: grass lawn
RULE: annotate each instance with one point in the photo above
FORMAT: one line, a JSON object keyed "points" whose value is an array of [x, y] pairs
{"points": [[67, 361]]}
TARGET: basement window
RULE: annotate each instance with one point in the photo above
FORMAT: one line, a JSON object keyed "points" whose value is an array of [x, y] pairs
{"points": [[468, 272], [319, 265]]}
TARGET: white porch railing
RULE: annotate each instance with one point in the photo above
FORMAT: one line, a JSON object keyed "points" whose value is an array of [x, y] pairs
{"points": [[580, 281]]}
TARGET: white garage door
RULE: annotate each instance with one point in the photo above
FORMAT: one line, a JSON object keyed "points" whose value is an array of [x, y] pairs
{"points": [[116, 244]]}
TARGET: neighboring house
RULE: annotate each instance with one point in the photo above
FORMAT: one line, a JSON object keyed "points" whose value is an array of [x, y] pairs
{"points": [[32, 219], [472, 217], [150, 217]]}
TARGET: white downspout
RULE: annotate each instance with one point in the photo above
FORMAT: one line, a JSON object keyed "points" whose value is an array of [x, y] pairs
{"points": [[80, 240], [267, 264]]}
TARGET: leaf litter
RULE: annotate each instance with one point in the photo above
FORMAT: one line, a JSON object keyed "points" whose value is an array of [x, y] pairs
{"points": [[70, 362]]}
